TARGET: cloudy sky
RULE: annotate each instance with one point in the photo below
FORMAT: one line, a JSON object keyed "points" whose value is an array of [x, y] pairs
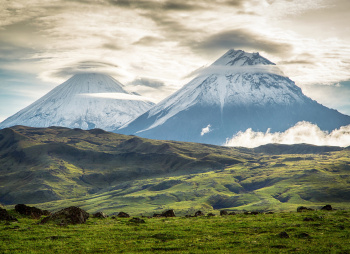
{"points": [[152, 46]]}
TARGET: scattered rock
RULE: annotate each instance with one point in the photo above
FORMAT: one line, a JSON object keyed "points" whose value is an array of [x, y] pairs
{"points": [[123, 215], [57, 237], [251, 213], [169, 213], [223, 212], [283, 234], [31, 211], [342, 227], [101, 215], [137, 220], [113, 217], [199, 213], [232, 213], [210, 215], [4, 215], [327, 208], [303, 235], [269, 213], [308, 219], [70, 215], [303, 209]]}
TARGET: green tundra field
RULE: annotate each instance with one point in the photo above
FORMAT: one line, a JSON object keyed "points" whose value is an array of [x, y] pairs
{"points": [[306, 232]]}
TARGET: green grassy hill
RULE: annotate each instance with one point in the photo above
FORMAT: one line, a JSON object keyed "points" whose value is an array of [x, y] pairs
{"points": [[101, 171]]}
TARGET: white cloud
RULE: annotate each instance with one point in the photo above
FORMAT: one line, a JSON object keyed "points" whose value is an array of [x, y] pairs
{"points": [[116, 96], [302, 132], [222, 70], [206, 130]]}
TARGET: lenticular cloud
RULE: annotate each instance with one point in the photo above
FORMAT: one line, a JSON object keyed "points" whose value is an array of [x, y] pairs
{"points": [[302, 132]]}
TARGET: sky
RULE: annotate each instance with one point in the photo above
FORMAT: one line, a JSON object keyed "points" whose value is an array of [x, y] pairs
{"points": [[152, 46]]}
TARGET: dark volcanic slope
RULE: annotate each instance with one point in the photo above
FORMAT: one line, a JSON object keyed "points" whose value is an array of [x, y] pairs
{"points": [[45, 164]]}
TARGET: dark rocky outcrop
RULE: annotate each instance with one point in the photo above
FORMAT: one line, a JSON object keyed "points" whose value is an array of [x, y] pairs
{"points": [[168, 213], [303, 209], [210, 215], [199, 213], [71, 215], [101, 215], [137, 220], [4, 215], [223, 212], [283, 234], [327, 208], [123, 215], [30, 211], [308, 219]]}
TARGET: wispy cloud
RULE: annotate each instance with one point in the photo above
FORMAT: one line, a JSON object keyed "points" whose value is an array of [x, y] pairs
{"points": [[302, 132], [116, 96], [223, 70], [166, 39]]}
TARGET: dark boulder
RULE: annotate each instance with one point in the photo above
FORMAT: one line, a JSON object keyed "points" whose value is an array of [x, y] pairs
{"points": [[232, 213], [303, 235], [223, 212], [169, 213], [30, 211], [137, 220], [100, 215], [71, 215], [210, 215], [283, 234], [4, 215], [303, 209], [199, 213], [123, 215], [327, 208], [308, 219]]}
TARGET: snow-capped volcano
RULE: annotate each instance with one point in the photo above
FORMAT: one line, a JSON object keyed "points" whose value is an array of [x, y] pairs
{"points": [[238, 91], [84, 101]]}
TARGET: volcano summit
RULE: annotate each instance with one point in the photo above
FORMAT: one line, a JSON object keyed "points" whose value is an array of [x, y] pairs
{"points": [[238, 91], [84, 101]]}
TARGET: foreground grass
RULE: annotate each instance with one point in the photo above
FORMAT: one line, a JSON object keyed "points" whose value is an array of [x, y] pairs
{"points": [[326, 232]]}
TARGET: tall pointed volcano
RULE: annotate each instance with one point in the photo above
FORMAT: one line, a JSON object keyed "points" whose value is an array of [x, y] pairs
{"points": [[84, 101], [238, 91]]}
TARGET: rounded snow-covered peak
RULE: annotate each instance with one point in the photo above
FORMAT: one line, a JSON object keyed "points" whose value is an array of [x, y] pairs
{"points": [[241, 58], [86, 101]]}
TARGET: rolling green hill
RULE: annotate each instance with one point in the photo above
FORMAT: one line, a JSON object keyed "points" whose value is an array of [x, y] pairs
{"points": [[100, 171]]}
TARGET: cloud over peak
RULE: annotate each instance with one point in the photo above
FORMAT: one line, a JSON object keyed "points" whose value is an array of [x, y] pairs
{"points": [[302, 132]]}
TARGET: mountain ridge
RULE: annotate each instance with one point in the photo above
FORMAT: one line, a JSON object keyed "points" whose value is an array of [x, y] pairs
{"points": [[103, 171]]}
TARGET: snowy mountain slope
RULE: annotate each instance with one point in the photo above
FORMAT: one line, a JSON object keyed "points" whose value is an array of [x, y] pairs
{"points": [[81, 102], [239, 91]]}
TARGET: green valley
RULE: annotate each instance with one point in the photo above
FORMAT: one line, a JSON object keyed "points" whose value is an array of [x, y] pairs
{"points": [[96, 170]]}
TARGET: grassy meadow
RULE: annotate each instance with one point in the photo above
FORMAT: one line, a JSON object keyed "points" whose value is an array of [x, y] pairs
{"points": [[321, 232]]}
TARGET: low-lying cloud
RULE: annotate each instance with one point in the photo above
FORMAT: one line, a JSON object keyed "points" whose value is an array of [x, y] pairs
{"points": [[116, 96], [223, 70], [302, 132]]}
